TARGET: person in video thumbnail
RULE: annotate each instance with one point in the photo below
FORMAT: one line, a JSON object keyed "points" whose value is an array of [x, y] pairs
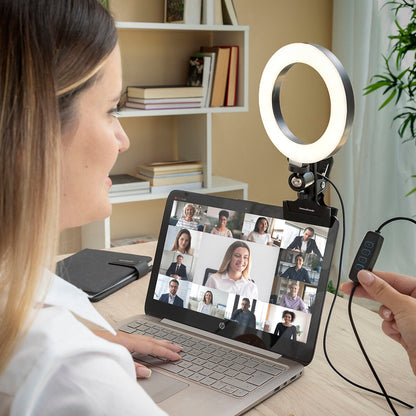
{"points": [[187, 221], [182, 241], [172, 297], [305, 244], [220, 228], [206, 304], [233, 274], [177, 270], [297, 272], [292, 300], [244, 316], [260, 234], [286, 329]]}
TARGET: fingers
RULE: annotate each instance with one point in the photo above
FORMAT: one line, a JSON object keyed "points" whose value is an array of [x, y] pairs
{"points": [[381, 291], [402, 283], [359, 291], [150, 346], [142, 371], [386, 313]]}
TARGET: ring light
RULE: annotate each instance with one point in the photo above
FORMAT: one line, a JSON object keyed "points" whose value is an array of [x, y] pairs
{"points": [[340, 94]]}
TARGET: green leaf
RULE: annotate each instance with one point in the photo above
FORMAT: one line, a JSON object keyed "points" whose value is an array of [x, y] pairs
{"points": [[391, 96]]}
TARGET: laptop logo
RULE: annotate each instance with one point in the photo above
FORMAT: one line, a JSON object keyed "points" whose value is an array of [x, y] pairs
{"points": [[221, 325]]}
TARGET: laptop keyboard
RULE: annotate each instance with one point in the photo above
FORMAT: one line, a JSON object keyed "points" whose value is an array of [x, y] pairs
{"points": [[207, 363]]}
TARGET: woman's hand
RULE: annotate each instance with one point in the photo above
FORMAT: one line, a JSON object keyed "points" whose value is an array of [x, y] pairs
{"points": [[143, 344], [397, 293]]}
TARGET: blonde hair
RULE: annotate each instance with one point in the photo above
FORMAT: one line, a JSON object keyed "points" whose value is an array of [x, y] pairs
{"points": [[229, 254], [40, 41]]}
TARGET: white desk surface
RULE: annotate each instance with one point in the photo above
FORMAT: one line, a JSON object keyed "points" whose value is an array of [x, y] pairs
{"points": [[319, 391]]}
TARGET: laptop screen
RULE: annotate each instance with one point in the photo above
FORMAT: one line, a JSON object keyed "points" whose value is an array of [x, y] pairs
{"points": [[240, 270]]}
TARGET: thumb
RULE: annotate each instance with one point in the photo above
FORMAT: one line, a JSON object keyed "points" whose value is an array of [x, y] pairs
{"points": [[380, 291]]}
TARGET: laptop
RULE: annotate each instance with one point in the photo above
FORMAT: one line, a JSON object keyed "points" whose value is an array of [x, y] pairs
{"points": [[242, 291]]}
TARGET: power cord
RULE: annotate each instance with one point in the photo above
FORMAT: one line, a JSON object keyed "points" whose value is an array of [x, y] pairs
{"points": [[383, 393]]}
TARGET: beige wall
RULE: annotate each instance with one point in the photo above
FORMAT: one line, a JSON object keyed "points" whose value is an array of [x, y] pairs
{"points": [[241, 148]]}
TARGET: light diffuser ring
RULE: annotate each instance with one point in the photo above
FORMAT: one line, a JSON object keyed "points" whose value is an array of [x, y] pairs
{"points": [[341, 96]]}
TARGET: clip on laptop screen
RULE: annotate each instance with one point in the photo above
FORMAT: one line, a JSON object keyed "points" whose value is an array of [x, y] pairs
{"points": [[242, 272]]}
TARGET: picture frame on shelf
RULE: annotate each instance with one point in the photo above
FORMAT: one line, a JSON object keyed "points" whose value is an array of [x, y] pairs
{"points": [[183, 11]]}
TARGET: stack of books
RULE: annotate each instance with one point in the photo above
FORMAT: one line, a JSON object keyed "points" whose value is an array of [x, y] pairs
{"points": [[164, 97], [124, 185], [167, 176]]}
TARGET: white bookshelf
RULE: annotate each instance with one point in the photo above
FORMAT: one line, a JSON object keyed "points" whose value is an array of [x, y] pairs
{"points": [[193, 126]]}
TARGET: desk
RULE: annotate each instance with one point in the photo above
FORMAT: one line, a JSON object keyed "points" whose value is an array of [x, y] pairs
{"points": [[320, 391]]}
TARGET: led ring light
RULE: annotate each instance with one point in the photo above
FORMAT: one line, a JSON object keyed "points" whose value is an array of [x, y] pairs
{"points": [[340, 94]]}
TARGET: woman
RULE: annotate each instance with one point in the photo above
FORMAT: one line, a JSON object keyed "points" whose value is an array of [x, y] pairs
{"points": [[182, 242], [188, 218], [286, 329], [206, 304], [233, 274], [260, 234], [60, 74], [220, 228]]}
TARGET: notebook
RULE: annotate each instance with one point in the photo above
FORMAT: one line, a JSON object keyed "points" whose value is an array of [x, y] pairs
{"points": [[246, 308]]}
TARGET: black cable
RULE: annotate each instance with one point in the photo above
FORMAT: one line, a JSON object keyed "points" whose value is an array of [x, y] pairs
{"points": [[380, 384], [394, 219], [335, 297]]}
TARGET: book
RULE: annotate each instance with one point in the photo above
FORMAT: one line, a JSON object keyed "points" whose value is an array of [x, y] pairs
{"points": [[212, 55], [199, 74], [169, 168], [163, 106], [182, 186], [163, 91], [207, 12], [220, 75], [124, 182], [218, 20], [231, 92], [172, 179], [228, 13], [183, 11], [128, 193], [165, 100]]}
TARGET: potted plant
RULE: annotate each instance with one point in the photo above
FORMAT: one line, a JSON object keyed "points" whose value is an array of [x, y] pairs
{"points": [[400, 78]]}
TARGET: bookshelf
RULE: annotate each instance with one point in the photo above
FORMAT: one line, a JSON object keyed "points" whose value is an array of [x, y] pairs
{"points": [[166, 48]]}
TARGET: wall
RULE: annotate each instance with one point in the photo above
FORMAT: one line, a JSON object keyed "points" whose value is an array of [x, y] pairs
{"points": [[241, 148]]}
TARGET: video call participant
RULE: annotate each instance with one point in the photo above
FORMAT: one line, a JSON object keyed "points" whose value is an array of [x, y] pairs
{"points": [[292, 300], [182, 241], [305, 244], [260, 234], [60, 77], [286, 329], [206, 304], [187, 221], [297, 272], [177, 270], [244, 316], [171, 297], [220, 228], [233, 274]]}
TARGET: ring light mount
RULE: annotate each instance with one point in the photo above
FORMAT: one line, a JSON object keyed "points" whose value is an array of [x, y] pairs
{"points": [[306, 161]]}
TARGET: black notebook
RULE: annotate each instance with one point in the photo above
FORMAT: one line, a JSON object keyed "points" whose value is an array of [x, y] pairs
{"points": [[100, 273]]}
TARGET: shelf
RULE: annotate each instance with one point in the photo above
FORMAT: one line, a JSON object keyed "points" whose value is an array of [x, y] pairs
{"points": [[175, 26], [128, 112], [219, 184]]}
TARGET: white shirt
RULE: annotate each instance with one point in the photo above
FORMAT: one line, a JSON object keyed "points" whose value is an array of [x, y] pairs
{"points": [[242, 287], [190, 225], [62, 368], [265, 238]]}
